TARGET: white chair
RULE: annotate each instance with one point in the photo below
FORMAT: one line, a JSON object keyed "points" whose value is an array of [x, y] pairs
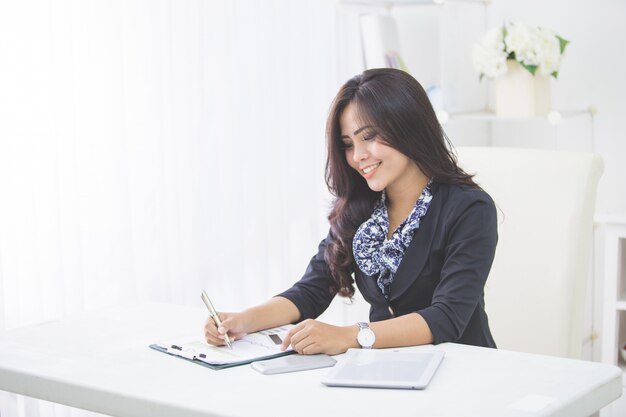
{"points": [[536, 289]]}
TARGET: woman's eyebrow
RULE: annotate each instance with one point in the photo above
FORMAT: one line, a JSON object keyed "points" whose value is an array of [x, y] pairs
{"points": [[359, 130], [356, 132]]}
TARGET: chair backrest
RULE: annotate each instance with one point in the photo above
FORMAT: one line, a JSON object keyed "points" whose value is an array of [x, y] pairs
{"points": [[535, 292]]}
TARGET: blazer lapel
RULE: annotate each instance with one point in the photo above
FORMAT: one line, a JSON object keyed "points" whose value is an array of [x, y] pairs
{"points": [[417, 253]]}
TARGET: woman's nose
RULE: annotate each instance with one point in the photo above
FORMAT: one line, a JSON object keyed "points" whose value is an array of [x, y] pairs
{"points": [[360, 153]]}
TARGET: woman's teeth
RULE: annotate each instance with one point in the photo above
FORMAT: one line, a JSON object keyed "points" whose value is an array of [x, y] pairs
{"points": [[370, 168]]}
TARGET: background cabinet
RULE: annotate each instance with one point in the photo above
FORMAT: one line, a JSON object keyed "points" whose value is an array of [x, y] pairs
{"points": [[435, 40], [612, 263]]}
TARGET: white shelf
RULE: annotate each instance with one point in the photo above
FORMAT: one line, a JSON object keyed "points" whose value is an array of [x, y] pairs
{"points": [[554, 117], [389, 3], [620, 305], [613, 218], [564, 129]]}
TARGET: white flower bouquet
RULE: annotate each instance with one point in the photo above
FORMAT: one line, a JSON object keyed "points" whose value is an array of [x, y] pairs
{"points": [[537, 49]]}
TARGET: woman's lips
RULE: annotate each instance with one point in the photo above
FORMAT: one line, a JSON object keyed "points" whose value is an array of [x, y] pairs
{"points": [[369, 170]]}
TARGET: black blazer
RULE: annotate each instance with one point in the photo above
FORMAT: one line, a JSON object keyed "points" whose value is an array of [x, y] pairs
{"points": [[442, 274]]}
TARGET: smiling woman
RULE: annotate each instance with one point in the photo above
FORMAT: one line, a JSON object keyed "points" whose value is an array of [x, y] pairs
{"points": [[414, 230], [366, 151], [383, 167]]}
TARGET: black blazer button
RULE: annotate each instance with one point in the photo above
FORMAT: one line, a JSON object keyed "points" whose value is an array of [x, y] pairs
{"points": [[391, 312]]}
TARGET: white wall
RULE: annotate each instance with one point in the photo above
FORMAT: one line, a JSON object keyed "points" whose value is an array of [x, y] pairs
{"points": [[150, 148], [592, 73], [436, 43]]}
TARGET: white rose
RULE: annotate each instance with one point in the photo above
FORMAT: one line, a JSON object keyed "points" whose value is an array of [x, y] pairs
{"points": [[496, 67], [493, 40], [549, 52], [489, 57], [523, 41], [517, 37], [489, 63], [532, 46]]}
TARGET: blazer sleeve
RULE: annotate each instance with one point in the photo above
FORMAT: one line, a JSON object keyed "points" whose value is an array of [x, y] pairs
{"points": [[312, 294], [468, 254]]}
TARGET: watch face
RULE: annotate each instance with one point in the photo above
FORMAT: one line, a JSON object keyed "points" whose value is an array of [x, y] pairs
{"points": [[366, 338]]}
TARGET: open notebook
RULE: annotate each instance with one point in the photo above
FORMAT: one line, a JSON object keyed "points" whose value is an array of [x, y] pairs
{"points": [[252, 347]]}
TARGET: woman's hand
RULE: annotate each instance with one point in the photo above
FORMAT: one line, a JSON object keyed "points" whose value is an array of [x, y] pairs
{"points": [[312, 336], [232, 323]]}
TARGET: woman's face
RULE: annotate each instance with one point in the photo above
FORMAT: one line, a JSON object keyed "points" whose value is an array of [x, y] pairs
{"points": [[383, 167]]}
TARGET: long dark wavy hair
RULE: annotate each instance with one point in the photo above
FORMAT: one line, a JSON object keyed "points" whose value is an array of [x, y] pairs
{"points": [[397, 106]]}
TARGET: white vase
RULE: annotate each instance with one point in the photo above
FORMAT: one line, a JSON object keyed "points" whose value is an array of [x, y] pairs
{"points": [[520, 94]]}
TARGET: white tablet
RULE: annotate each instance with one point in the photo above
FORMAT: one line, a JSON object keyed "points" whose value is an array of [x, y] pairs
{"points": [[385, 368]]}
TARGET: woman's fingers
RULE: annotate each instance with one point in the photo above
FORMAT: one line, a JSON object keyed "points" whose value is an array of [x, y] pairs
{"points": [[312, 336], [230, 323], [211, 334], [301, 338], [288, 338], [306, 346]]}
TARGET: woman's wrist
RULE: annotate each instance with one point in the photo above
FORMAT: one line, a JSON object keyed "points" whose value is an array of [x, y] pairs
{"points": [[350, 334], [246, 320]]}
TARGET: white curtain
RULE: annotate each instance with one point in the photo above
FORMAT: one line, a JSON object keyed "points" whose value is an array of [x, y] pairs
{"points": [[151, 148]]}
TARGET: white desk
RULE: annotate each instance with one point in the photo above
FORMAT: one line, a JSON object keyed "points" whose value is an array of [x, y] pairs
{"points": [[101, 362]]}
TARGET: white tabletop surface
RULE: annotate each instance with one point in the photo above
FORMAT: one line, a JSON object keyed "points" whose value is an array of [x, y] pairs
{"points": [[101, 362]]}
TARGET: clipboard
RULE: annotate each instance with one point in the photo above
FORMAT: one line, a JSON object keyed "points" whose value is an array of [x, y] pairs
{"points": [[219, 366], [250, 348]]}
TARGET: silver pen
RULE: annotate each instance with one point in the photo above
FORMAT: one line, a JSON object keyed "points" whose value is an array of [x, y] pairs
{"points": [[215, 316]]}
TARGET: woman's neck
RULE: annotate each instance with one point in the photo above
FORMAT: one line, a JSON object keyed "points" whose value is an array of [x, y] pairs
{"points": [[401, 201], [402, 197]]}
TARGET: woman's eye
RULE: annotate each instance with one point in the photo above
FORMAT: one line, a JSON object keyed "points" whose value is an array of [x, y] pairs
{"points": [[347, 145], [369, 135]]}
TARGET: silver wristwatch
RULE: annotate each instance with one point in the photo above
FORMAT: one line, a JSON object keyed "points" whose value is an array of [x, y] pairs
{"points": [[366, 336]]}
